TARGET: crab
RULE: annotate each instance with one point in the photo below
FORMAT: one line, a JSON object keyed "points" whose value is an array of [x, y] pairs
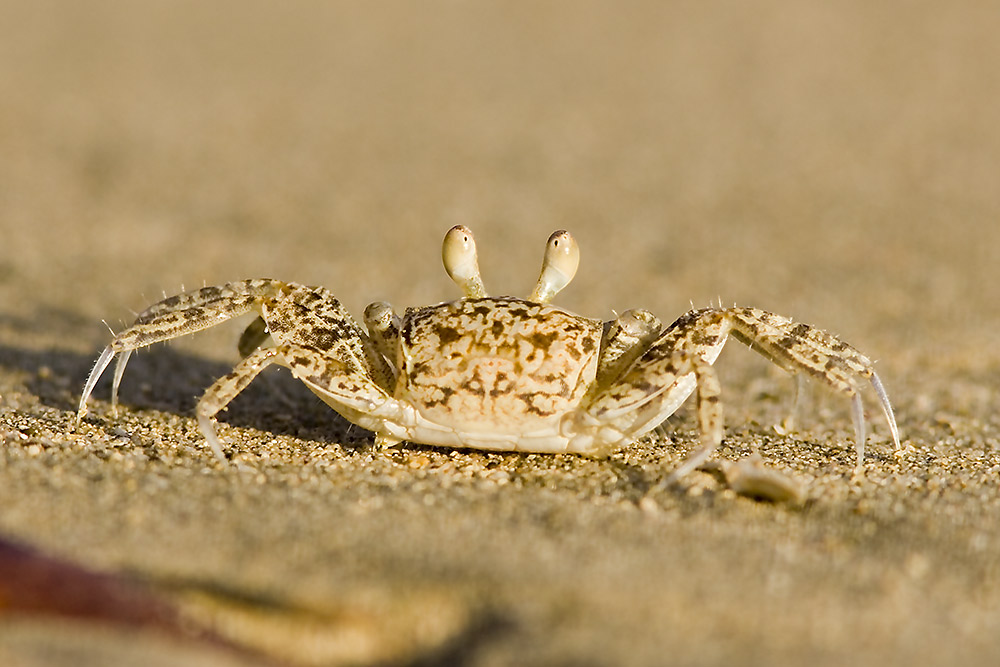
{"points": [[494, 373]]}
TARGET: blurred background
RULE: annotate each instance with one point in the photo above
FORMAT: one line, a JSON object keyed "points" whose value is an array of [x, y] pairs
{"points": [[838, 163]]}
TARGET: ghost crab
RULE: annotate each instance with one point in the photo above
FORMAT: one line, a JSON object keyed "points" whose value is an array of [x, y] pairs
{"points": [[493, 373]]}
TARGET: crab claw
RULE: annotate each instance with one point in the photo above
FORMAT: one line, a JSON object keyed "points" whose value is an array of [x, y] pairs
{"points": [[562, 257], [458, 252]]}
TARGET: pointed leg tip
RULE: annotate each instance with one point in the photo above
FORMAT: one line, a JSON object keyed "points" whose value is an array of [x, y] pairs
{"points": [[672, 480], [384, 442], [694, 462], [671, 483], [219, 454], [897, 446], [207, 427], [890, 416]]}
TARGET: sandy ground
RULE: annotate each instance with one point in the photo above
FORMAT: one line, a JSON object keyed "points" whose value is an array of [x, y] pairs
{"points": [[835, 162]]}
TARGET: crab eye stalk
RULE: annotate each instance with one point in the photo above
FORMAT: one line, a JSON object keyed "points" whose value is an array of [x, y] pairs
{"points": [[458, 252], [562, 257]]}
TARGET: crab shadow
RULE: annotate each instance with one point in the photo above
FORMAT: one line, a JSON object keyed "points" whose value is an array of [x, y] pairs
{"points": [[165, 379]]}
